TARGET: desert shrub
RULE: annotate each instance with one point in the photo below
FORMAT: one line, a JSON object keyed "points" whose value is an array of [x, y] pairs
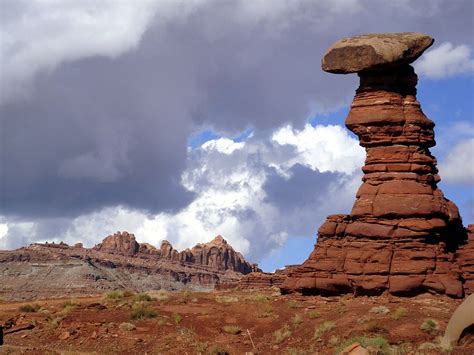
{"points": [[142, 311], [142, 297], [333, 340], [177, 318], [70, 303], [314, 314], [114, 295], [398, 313], [201, 347], [281, 334], [161, 295], [127, 327], [294, 351], [379, 310], [231, 329], [128, 293], [55, 322], [227, 299], [217, 350], [297, 319], [429, 326], [267, 311], [373, 326], [259, 297], [323, 328], [379, 343], [30, 308], [293, 304]]}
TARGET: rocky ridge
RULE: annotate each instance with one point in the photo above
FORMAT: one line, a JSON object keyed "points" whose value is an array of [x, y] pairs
{"points": [[118, 262], [402, 236]]}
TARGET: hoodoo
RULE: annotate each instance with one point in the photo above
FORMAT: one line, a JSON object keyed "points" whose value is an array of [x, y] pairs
{"points": [[402, 236]]}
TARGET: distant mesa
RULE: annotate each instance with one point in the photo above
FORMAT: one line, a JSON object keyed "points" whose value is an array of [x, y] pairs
{"points": [[118, 262], [402, 235]]}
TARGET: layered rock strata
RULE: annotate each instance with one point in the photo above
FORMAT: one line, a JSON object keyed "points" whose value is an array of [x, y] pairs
{"points": [[119, 262], [216, 254], [402, 236]]}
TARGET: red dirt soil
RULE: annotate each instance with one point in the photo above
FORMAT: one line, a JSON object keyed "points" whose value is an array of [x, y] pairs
{"points": [[194, 323]]}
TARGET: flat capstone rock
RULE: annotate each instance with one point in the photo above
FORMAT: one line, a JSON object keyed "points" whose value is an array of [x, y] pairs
{"points": [[374, 51]]}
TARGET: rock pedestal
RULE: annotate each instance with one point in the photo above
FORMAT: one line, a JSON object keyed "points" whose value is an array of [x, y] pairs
{"points": [[402, 236]]}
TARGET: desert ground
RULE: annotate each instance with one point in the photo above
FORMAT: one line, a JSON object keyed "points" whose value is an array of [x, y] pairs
{"points": [[227, 322]]}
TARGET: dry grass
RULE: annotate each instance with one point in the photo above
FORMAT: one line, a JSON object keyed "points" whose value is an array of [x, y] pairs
{"points": [[29, 308], [142, 311], [323, 328], [281, 334], [378, 343], [398, 313], [231, 329], [297, 319], [127, 327], [430, 326], [379, 310]]}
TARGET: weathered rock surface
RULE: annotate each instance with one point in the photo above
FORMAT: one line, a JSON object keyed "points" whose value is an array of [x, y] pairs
{"points": [[402, 236], [119, 262], [375, 50]]}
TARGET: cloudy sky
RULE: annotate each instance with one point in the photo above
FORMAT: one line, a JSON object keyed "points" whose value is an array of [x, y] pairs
{"points": [[181, 120]]}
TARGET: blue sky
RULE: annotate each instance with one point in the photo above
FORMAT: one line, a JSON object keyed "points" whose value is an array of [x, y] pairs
{"points": [[181, 121]]}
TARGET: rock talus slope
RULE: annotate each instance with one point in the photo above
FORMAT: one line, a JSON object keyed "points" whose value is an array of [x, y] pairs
{"points": [[402, 236]]}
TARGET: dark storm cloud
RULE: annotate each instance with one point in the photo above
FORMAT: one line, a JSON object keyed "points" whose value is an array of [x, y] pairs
{"points": [[100, 132], [302, 189]]}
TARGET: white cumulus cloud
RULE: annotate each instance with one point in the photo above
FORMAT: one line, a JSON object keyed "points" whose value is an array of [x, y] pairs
{"points": [[458, 166], [255, 193], [446, 61]]}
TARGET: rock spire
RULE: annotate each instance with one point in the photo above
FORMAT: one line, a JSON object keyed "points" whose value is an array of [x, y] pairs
{"points": [[402, 236]]}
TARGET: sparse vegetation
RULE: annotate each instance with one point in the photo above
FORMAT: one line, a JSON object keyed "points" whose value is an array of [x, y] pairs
{"points": [[231, 329], [267, 311], [297, 319], [259, 297], [429, 326], [143, 297], [398, 313], [313, 314], [177, 318], [217, 350], [281, 334], [128, 293], [293, 304], [142, 311], [161, 295], [373, 327], [114, 295], [379, 310], [30, 308], [333, 340], [227, 299], [127, 327], [323, 328], [379, 343]]}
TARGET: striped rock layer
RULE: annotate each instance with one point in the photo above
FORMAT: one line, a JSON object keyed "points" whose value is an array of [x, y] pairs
{"points": [[402, 236]]}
